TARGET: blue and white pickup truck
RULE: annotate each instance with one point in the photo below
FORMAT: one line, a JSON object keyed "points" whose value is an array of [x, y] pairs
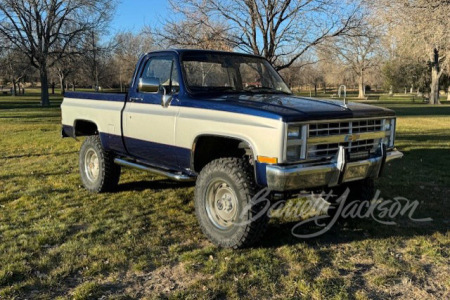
{"points": [[228, 121]]}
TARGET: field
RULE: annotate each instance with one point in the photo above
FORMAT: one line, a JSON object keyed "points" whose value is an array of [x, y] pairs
{"points": [[58, 241]]}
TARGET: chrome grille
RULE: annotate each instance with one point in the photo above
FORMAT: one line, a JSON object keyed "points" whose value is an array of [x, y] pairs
{"points": [[325, 150], [352, 127], [337, 128]]}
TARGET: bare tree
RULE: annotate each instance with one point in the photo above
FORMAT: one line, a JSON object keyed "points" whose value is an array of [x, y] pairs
{"points": [[43, 30], [196, 30], [420, 27], [128, 48], [14, 68], [358, 51], [280, 30]]}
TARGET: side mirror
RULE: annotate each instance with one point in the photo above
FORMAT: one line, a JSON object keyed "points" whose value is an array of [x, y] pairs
{"points": [[166, 99], [149, 85]]}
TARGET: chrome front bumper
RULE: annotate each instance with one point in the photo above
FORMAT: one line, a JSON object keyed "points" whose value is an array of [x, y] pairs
{"points": [[336, 172]]}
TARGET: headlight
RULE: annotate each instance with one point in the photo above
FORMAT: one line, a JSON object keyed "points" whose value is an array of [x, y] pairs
{"points": [[293, 153], [296, 142], [294, 133], [389, 127]]}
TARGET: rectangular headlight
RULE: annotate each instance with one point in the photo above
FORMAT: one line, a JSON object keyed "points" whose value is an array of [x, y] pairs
{"points": [[294, 133], [293, 153], [296, 142]]}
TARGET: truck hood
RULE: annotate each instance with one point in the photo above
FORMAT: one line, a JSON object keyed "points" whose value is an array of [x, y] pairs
{"points": [[295, 109]]}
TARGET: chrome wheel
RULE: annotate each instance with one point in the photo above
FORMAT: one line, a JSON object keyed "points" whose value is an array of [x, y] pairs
{"points": [[91, 165], [221, 204]]}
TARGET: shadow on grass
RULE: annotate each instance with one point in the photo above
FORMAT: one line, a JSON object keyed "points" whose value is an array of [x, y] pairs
{"points": [[38, 155], [422, 110], [27, 104], [159, 184]]}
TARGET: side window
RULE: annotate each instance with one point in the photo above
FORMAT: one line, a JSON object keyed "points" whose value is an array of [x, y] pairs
{"points": [[164, 69]]}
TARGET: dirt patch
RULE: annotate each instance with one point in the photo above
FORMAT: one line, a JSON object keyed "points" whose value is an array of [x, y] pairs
{"points": [[162, 281]]}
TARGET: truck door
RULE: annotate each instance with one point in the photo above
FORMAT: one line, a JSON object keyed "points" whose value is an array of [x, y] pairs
{"points": [[148, 127]]}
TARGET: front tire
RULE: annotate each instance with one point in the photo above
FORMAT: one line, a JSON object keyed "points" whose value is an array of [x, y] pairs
{"points": [[224, 207], [98, 171]]}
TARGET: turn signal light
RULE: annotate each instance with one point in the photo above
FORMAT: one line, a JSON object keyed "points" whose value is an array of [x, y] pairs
{"points": [[267, 160]]}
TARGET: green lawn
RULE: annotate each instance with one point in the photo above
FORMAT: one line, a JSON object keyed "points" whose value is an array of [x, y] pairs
{"points": [[57, 240]]}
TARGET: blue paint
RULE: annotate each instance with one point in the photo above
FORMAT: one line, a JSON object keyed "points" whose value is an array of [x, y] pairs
{"points": [[111, 142], [260, 174], [68, 131], [156, 154]]}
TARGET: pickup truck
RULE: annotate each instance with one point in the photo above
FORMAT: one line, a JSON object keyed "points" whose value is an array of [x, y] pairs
{"points": [[229, 122]]}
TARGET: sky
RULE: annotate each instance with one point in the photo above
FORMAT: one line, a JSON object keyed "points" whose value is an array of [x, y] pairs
{"points": [[132, 15]]}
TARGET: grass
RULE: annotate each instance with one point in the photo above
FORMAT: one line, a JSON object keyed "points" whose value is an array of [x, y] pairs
{"points": [[58, 241]]}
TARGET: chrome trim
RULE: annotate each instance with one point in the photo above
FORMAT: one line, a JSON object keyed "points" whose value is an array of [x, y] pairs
{"points": [[392, 135], [343, 138], [308, 141], [338, 171], [390, 156], [304, 149], [173, 176], [341, 120]]}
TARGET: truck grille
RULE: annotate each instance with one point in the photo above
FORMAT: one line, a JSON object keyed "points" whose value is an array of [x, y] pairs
{"points": [[336, 128], [355, 127], [326, 150]]}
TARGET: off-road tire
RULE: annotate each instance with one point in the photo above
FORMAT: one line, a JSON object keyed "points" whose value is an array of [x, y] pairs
{"points": [[108, 172], [237, 175]]}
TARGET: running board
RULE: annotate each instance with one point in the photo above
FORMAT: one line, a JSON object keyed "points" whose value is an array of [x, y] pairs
{"points": [[173, 176]]}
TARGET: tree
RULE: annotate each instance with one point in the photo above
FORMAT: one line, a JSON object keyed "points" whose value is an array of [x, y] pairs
{"points": [[282, 31], [44, 30], [128, 48], [195, 30], [357, 51], [14, 68], [97, 62], [420, 27]]}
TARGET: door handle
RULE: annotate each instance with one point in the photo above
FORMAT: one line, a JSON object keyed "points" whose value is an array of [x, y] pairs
{"points": [[136, 99]]}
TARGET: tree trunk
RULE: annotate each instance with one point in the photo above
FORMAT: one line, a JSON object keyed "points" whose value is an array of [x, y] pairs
{"points": [[361, 94], [435, 76], [411, 91], [45, 101], [448, 94], [434, 95], [391, 91], [62, 83], [14, 89], [315, 90]]}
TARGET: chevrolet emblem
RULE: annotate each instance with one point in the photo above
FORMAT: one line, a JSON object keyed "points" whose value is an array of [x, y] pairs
{"points": [[352, 137]]}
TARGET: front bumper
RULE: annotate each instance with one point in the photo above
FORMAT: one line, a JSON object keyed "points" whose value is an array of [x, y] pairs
{"points": [[336, 172]]}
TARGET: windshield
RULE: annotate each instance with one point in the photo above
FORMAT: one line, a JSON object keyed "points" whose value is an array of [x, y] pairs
{"points": [[231, 73]]}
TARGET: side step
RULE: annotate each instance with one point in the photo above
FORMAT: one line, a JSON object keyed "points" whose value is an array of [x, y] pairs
{"points": [[173, 176]]}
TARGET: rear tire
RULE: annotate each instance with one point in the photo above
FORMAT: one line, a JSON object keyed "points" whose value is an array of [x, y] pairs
{"points": [[98, 171], [224, 207]]}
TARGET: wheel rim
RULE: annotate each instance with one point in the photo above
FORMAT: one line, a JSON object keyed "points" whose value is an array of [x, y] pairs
{"points": [[221, 204], [91, 165]]}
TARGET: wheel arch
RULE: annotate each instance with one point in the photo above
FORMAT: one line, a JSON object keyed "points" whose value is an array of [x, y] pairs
{"points": [[83, 127], [208, 147]]}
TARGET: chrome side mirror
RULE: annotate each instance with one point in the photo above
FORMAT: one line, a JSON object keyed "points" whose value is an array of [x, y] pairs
{"points": [[149, 85], [166, 99]]}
